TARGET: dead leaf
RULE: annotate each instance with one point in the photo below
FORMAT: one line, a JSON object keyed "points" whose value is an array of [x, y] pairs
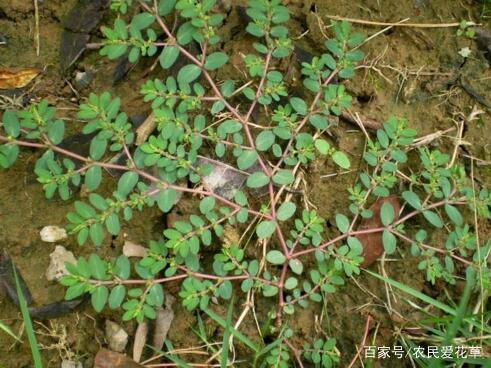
{"points": [[373, 246], [78, 24], [163, 321], [85, 15], [72, 45], [140, 340], [145, 129], [7, 279], [224, 179], [17, 78]]}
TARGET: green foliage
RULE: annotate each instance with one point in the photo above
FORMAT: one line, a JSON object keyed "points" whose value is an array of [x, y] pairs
{"points": [[322, 353], [465, 30], [203, 124]]}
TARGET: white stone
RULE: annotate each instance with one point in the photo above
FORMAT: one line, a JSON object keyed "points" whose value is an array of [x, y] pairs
{"points": [[116, 336], [52, 234], [131, 249], [56, 268], [71, 364]]}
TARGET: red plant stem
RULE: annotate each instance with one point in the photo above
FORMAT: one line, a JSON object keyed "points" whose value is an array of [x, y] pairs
{"points": [[297, 240], [234, 111], [268, 171], [210, 80], [288, 254], [203, 54], [305, 119], [363, 341], [128, 154], [261, 84], [281, 296], [442, 251], [295, 352], [170, 278], [243, 120], [375, 230], [138, 171], [304, 296], [239, 117], [367, 194]]}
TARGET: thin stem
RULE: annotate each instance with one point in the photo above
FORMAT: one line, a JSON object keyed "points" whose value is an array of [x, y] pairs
{"points": [[140, 172], [363, 341], [210, 80], [442, 251], [376, 230], [261, 84], [128, 154], [295, 352], [398, 24], [305, 119]]}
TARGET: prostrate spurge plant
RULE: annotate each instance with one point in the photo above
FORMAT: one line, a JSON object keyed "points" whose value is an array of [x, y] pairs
{"points": [[195, 115]]}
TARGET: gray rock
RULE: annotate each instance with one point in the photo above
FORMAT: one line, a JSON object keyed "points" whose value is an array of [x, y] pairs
{"points": [[71, 364], [116, 336], [56, 269], [83, 79]]}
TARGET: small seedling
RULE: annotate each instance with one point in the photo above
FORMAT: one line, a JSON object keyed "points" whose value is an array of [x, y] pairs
{"points": [[465, 30]]}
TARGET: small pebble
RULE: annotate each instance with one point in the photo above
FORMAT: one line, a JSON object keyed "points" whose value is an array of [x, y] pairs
{"points": [[71, 364], [131, 249], [52, 234], [83, 79], [116, 336], [56, 269]]}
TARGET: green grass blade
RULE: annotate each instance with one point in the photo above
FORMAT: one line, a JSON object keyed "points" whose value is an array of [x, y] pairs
{"points": [[242, 338], [425, 298], [8, 331], [173, 358], [415, 293], [269, 347], [28, 324], [464, 300], [202, 335], [226, 335]]}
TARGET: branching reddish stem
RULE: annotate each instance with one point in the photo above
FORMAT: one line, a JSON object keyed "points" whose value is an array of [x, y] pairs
{"points": [[269, 171], [305, 119], [442, 251], [140, 172], [375, 230]]}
